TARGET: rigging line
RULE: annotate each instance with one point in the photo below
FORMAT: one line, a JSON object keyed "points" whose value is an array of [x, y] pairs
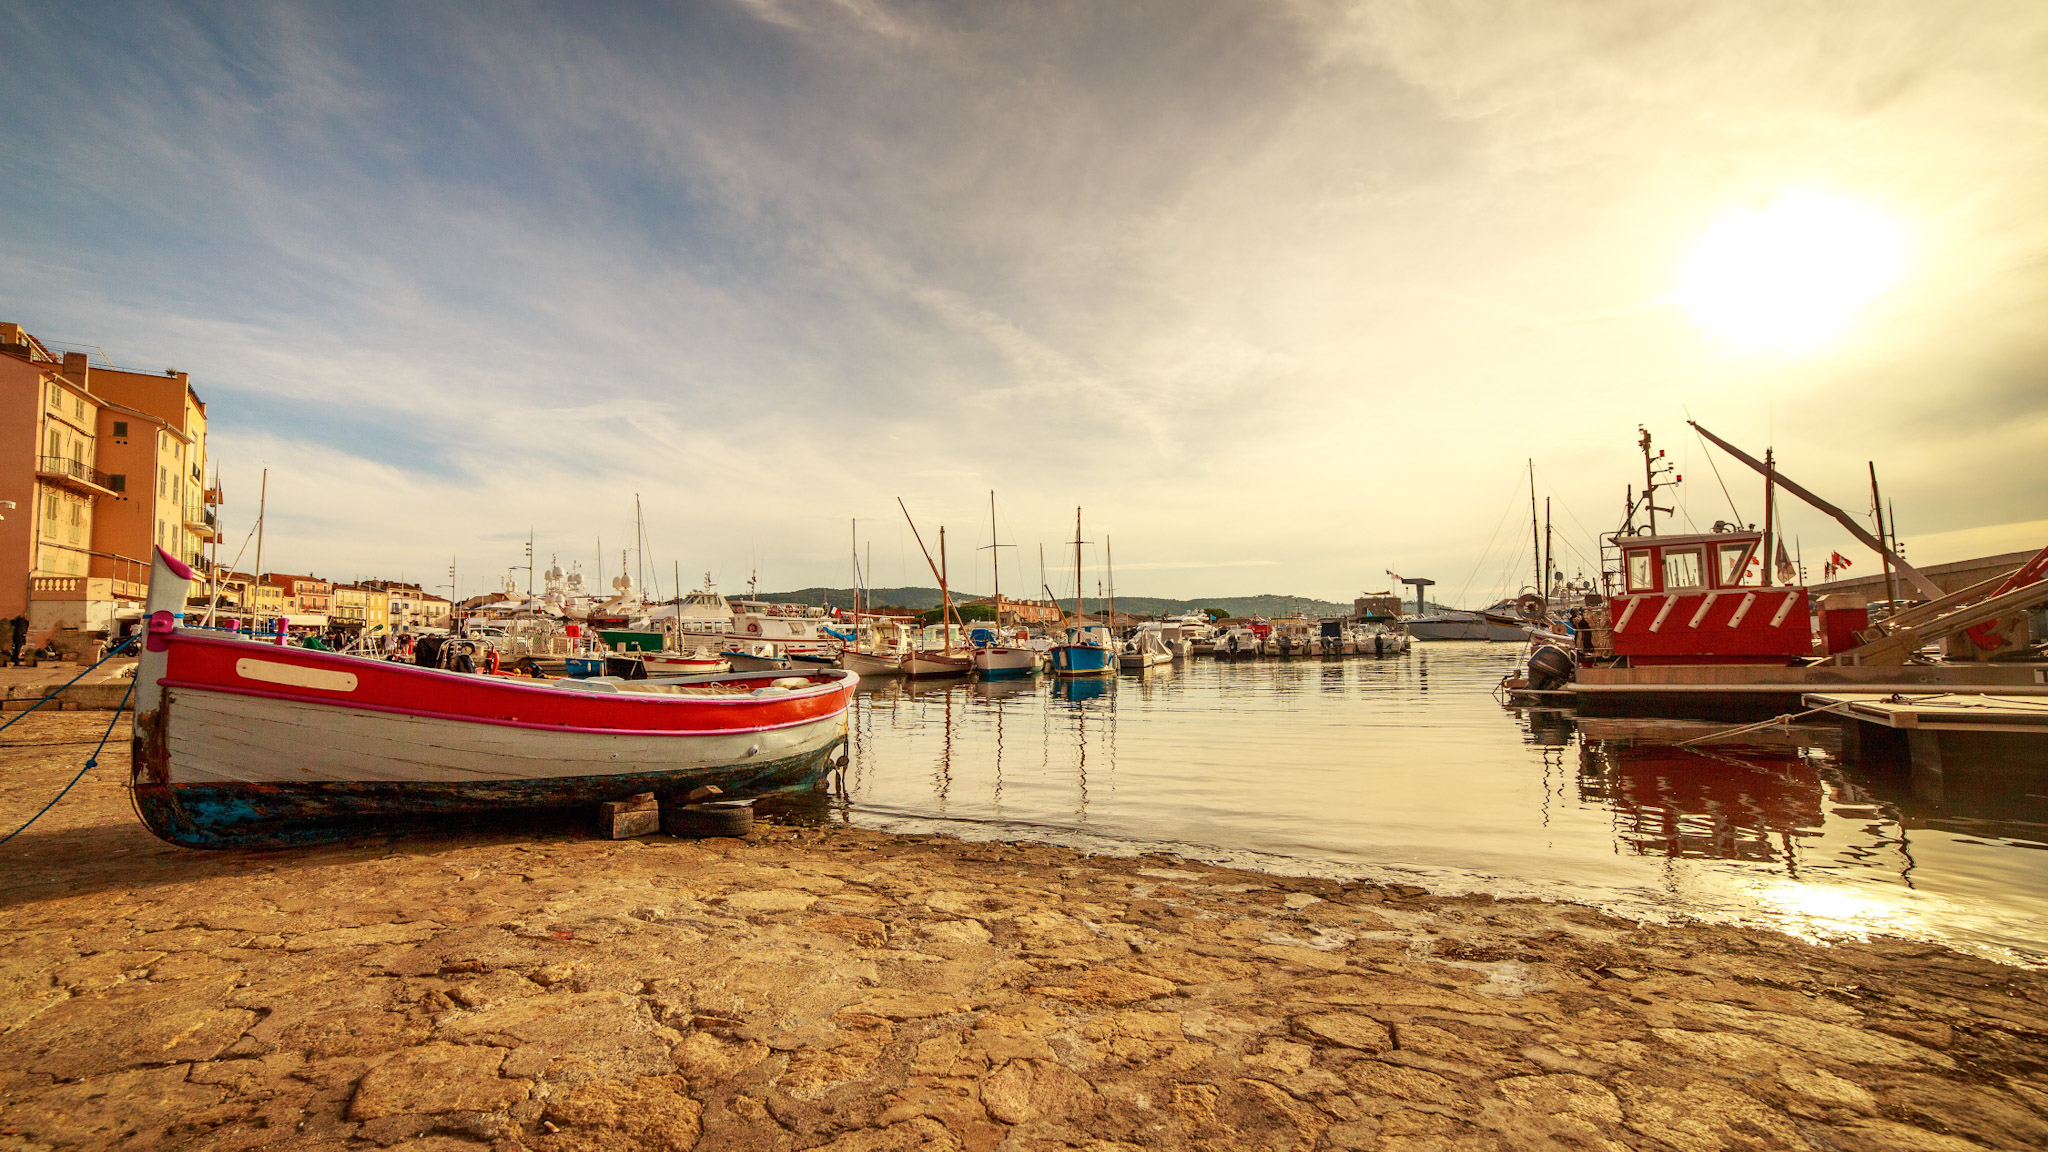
{"points": [[1732, 509], [1514, 498], [91, 761], [1551, 490]]}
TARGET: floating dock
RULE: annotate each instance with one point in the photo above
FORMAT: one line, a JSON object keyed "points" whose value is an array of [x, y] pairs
{"points": [[1934, 731], [1760, 691]]}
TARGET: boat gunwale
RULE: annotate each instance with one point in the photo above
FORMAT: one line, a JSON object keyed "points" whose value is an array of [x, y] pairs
{"points": [[838, 683], [501, 722]]}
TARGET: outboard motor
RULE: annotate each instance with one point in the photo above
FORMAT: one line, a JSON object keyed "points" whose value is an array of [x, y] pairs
{"points": [[1550, 668]]}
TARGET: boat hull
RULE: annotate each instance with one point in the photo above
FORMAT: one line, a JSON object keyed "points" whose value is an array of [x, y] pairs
{"points": [[1476, 628], [216, 810], [1000, 663], [664, 665], [749, 662], [870, 665], [1083, 660], [934, 665]]}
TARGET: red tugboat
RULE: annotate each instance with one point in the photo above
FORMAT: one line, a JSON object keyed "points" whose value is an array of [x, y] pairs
{"points": [[1688, 629], [1693, 600]]}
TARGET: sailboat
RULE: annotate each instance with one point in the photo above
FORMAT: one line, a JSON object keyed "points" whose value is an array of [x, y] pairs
{"points": [[1084, 649], [940, 655], [996, 659], [877, 647]]}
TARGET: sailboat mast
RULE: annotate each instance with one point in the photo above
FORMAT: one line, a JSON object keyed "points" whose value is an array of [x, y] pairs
{"points": [[945, 596], [1109, 558], [1535, 538], [995, 557], [1549, 563], [262, 502], [1077, 565]]}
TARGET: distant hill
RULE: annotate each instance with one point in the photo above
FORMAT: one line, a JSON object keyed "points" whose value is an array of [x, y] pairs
{"points": [[921, 599]]}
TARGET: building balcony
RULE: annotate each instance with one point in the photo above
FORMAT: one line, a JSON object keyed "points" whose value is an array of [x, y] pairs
{"points": [[91, 588], [212, 496], [74, 474], [203, 523]]}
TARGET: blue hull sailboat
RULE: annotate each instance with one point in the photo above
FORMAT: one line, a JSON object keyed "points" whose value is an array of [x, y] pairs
{"points": [[1086, 649]]}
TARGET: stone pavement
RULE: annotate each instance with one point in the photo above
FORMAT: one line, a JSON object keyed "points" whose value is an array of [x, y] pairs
{"points": [[829, 987]]}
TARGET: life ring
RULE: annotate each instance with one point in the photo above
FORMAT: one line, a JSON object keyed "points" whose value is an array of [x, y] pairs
{"points": [[754, 627]]}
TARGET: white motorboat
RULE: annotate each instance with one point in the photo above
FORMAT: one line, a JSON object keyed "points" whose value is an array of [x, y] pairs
{"points": [[1145, 649]]}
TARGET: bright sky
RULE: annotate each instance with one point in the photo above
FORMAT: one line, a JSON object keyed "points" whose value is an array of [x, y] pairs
{"points": [[1284, 295]]}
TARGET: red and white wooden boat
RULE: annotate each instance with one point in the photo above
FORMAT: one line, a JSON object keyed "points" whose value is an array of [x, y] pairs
{"points": [[239, 743]]}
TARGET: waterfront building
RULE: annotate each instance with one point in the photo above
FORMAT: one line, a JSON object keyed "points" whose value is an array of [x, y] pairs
{"points": [[306, 595], [402, 603], [360, 608], [101, 464], [437, 611]]}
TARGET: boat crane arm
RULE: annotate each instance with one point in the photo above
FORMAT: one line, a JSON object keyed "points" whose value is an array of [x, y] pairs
{"points": [[1927, 587]]}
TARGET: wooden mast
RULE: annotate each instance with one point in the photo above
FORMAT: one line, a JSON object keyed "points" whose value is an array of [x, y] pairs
{"points": [[1078, 621], [937, 573], [1770, 513], [1109, 558], [945, 598], [1535, 540]]}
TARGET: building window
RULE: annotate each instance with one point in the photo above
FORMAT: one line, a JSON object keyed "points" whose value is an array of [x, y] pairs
{"points": [[56, 443], [56, 396], [78, 407], [118, 482], [121, 428]]}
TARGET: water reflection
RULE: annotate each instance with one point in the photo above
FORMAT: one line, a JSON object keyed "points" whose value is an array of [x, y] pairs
{"points": [[1356, 767], [1675, 802]]}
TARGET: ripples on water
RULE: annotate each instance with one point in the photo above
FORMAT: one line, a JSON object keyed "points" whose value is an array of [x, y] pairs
{"points": [[1408, 769]]}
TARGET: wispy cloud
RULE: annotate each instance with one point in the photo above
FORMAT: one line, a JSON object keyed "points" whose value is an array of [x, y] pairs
{"points": [[1304, 283]]}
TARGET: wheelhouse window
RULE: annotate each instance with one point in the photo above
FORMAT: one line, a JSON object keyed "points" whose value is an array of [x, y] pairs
{"points": [[1734, 562], [1681, 569], [1640, 577]]}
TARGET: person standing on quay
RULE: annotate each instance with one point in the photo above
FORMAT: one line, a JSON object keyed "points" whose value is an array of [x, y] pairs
{"points": [[20, 637]]}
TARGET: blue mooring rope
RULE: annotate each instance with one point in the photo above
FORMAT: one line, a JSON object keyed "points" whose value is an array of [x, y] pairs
{"points": [[91, 761]]}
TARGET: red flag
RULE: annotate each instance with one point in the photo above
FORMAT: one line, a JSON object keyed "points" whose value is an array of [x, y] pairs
{"points": [[1839, 560]]}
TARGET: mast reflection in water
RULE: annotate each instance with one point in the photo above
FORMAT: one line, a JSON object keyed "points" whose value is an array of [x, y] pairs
{"points": [[1407, 769]]}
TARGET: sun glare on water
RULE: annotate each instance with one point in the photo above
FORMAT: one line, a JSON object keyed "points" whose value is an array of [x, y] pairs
{"points": [[1791, 273]]}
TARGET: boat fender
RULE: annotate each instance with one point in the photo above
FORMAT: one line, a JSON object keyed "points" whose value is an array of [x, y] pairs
{"points": [[711, 818], [491, 662], [770, 690]]}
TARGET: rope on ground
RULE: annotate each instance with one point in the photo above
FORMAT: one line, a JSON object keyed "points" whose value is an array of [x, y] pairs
{"points": [[91, 761], [111, 653], [1787, 718]]}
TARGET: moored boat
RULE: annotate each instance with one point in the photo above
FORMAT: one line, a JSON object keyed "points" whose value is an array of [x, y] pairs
{"points": [[240, 744]]}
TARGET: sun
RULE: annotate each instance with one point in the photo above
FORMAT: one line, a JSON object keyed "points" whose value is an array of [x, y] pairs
{"points": [[1791, 273]]}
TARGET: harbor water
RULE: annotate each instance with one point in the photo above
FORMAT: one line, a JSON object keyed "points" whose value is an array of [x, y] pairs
{"points": [[1407, 769]]}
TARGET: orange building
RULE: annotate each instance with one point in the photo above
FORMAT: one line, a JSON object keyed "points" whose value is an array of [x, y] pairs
{"points": [[102, 464], [306, 595]]}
